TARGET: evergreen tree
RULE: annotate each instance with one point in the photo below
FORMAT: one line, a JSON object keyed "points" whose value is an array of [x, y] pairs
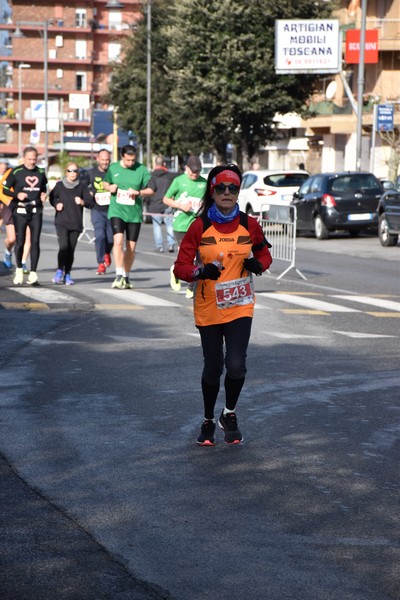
{"points": [[213, 74]]}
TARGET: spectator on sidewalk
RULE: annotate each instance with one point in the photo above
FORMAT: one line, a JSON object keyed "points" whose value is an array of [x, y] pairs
{"points": [[161, 179]]}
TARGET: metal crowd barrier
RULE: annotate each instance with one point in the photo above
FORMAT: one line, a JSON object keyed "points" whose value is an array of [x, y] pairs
{"points": [[279, 225], [87, 227]]}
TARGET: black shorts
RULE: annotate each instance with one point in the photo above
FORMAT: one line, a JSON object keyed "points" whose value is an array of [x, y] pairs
{"points": [[6, 215], [131, 230]]}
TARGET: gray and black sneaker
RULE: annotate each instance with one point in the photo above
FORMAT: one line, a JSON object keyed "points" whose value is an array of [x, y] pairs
{"points": [[229, 424], [119, 282], [207, 433], [128, 285]]}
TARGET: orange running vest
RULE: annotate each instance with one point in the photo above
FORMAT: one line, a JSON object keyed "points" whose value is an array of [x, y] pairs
{"points": [[232, 295]]}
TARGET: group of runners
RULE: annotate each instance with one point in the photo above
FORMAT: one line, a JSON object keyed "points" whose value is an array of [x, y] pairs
{"points": [[220, 250]]}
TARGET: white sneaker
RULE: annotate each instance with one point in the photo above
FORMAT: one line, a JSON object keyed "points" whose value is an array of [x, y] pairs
{"points": [[18, 277], [173, 281], [32, 278], [189, 293]]}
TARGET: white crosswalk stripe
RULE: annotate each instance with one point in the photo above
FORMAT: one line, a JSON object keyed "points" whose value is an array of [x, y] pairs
{"points": [[377, 302], [51, 296], [45, 295], [307, 302], [133, 297]]}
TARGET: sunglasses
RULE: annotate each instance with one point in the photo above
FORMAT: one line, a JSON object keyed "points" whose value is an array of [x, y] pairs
{"points": [[72, 170], [221, 187]]}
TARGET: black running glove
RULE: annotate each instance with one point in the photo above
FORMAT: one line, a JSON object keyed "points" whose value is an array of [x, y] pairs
{"points": [[252, 265], [209, 271]]}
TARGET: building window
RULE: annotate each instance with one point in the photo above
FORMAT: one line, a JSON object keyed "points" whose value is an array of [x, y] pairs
{"points": [[114, 51], [80, 17], [80, 48], [115, 20], [80, 82]]}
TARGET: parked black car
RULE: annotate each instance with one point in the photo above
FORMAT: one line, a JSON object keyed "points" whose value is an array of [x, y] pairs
{"points": [[389, 218], [327, 202]]}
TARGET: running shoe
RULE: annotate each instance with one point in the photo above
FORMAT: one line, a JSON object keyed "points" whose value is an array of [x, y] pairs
{"points": [[58, 277], [101, 269], [128, 285], [33, 278], [18, 277], [207, 433], [119, 282], [229, 425], [25, 269], [160, 249], [174, 282], [7, 262], [171, 249], [68, 280], [189, 293], [107, 259]]}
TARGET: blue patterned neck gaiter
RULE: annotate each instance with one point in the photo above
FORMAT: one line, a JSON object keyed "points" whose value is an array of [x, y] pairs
{"points": [[218, 217]]}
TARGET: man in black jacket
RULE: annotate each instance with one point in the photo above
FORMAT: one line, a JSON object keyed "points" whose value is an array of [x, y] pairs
{"points": [[160, 181], [27, 186]]}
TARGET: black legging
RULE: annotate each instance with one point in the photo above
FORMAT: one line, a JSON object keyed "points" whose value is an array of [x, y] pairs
{"points": [[67, 241], [236, 335], [34, 222]]}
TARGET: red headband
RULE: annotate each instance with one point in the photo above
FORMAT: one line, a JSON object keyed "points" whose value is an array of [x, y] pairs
{"points": [[225, 177]]}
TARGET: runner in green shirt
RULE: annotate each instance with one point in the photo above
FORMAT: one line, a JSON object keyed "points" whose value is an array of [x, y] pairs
{"points": [[185, 194], [127, 181]]}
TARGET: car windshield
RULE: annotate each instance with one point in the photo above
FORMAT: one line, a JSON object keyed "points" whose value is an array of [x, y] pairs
{"points": [[286, 179], [346, 183]]}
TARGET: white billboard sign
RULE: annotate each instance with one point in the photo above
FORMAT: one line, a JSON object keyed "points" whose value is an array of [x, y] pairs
{"points": [[305, 46], [79, 101], [52, 125], [38, 109]]}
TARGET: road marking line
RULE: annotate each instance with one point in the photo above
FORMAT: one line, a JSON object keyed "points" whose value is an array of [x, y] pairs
{"points": [[308, 302], [295, 336], [378, 302], [24, 305], [384, 314], [118, 307], [355, 334], [133, 297], [303, 311]]}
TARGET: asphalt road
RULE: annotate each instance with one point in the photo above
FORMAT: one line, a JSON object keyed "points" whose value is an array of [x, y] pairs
{"points": [[104, 493]]}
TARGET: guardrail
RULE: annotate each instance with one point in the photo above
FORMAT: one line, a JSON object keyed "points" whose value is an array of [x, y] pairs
{"points": [[279, 226]]}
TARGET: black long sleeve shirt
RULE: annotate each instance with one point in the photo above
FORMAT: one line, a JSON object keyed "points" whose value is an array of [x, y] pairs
{"points": [[71, 215]]}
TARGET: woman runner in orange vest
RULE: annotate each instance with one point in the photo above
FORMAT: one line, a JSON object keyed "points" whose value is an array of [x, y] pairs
{"points": [[228, 247]]}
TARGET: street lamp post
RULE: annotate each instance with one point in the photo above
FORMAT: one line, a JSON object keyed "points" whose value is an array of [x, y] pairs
{"points": [[20, 67], [18, 34], [360, 84], [148, 97]]}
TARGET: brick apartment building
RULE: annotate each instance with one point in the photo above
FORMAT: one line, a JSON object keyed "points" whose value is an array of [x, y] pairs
{"points": [[76, 44]]}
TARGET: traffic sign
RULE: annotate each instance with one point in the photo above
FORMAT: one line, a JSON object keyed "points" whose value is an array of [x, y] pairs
{"points": [[385, 117]]}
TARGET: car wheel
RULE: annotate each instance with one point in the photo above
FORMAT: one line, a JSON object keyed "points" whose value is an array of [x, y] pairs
{"points": [[386, 238], [320, 231]]}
